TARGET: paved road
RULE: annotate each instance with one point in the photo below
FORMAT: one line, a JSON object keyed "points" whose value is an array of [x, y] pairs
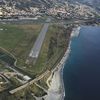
{"points": [[38, 44], [41, 87], [29, 83]]}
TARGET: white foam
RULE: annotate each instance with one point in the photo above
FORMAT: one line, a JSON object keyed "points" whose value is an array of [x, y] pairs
{"points": [[75, 32]]}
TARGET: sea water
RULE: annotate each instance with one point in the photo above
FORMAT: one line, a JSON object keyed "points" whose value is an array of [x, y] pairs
{"points": [[82, 69]]}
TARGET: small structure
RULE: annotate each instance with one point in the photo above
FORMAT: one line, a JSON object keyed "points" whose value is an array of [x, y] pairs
{"points": [[26, 78]]}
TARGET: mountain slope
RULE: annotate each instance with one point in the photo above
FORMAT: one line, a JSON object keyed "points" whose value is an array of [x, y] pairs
{"points": [[92, 3], [26, 3]]}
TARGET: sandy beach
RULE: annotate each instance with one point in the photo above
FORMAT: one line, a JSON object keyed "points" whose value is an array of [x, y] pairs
{"points": [[55, 92]]}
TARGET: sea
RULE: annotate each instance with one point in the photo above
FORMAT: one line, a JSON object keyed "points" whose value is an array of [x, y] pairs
{"points": [[81, 73]]}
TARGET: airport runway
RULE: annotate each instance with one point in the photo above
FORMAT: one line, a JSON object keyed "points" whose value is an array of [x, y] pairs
{"points": [[38, 44]]}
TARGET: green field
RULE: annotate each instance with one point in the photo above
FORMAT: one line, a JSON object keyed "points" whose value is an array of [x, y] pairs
{"points": [[19, 39], [55, 37], [53, 48], [13, 35]]}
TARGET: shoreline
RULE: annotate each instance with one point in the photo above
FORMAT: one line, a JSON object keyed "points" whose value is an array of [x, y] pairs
{"points": [[56, 89], [76, 31]]}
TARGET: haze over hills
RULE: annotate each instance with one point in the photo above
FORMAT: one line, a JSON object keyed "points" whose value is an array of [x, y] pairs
{"points": [[26, 3], [22, 4], [93, 3], [62, 8]]}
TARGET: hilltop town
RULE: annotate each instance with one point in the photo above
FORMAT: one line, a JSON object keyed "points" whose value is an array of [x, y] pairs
{"points": [[63, 10]]}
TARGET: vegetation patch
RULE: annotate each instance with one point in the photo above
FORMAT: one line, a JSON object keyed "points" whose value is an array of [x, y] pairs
{"points": [[23, 94], [18, 40], [37, 91], [42, 82], [53, 48], [6, 57]]}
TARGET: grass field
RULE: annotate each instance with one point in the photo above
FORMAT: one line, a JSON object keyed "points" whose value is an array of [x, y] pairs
{"points": [[46, 60], [19, 39]]}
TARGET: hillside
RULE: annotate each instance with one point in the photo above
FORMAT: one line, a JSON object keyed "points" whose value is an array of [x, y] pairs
{"points": [[93, 3], [23, 7], [26, 3]]}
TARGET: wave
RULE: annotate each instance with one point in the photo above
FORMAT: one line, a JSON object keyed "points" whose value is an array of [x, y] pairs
{"points": [[75, 32]]}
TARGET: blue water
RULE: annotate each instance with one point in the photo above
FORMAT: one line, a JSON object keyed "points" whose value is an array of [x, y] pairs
{"points": [[82, 69]]}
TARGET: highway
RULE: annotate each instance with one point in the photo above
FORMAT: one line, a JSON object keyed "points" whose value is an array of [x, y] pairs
{"points": [[38, 44]]}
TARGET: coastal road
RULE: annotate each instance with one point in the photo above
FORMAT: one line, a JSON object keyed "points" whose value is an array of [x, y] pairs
{"points": [[28, 83], [38, 44]]}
